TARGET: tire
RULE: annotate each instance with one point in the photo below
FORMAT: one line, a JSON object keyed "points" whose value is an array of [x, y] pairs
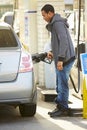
{"points": [[27, 110]]}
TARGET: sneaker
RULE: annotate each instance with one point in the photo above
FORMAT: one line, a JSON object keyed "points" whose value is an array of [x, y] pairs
{"points": [[59, 113], [56, 109]]}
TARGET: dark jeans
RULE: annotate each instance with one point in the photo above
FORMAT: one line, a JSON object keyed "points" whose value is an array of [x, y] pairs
{"points": [[62, 88]]}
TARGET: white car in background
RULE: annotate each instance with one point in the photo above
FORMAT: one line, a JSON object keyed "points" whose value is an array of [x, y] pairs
{"points": [[16, 73], [10, 17]]}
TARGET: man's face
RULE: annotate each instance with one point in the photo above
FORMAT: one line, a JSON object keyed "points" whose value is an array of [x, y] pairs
{"points": [[46, 16]]}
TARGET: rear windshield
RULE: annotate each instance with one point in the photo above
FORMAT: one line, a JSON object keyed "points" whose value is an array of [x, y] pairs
{"points": [[7, 39]]}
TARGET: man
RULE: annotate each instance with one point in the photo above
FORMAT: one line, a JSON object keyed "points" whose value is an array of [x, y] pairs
{"points": [[63, 54]]}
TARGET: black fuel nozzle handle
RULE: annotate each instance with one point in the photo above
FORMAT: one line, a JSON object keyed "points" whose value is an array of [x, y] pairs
{"points": [[40, 57]]}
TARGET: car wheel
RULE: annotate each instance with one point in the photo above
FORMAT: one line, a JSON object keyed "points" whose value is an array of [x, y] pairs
{"points": [[27, 110]]}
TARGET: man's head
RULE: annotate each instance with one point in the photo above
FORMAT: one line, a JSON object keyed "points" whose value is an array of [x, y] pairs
{"points": [[47, 12]]}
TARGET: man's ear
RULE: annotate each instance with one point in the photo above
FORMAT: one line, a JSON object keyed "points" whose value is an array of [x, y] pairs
{"points": [[50, 14]]}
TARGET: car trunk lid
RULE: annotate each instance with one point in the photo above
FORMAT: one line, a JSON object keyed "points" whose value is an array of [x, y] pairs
{"points": [[9, 65]]}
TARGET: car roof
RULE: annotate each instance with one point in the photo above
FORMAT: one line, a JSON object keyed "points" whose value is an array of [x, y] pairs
{"points": [[8, 13], [4, 25]]}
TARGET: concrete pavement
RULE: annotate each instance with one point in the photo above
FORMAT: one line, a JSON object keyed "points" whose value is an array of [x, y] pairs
{"points": [[66, 123]]}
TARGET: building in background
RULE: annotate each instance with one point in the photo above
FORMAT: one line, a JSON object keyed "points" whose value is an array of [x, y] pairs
{"points": [[6, 5], [68, 4]]}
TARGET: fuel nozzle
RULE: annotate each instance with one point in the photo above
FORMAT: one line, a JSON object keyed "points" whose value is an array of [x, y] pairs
{"points": [[37, 57]]}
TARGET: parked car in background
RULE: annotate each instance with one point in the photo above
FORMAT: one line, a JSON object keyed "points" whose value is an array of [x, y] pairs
{"points": [[16, 73], [10, 17]]}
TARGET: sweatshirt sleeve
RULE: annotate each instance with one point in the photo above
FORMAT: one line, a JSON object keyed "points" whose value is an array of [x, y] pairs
{"points": [[60, 31]]}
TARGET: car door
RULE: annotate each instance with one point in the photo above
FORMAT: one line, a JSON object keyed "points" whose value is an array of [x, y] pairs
{"points": [[10, 52]]}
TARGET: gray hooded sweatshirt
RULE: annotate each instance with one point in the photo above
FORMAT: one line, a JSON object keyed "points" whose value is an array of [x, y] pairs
{"points": [[62, 46]]}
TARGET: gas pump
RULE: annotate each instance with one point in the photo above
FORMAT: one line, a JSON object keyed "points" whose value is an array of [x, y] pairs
{"points": [[78, 50]]}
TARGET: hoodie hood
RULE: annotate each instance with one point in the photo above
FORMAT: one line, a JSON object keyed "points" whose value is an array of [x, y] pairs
{"points": [[56, 18]]}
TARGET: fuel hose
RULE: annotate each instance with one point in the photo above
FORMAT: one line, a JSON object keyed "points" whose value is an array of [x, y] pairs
{"points": [[78, 53]]}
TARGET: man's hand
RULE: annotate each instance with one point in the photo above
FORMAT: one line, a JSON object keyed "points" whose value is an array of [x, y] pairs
{"points": [[60, 65], [49, 55]]}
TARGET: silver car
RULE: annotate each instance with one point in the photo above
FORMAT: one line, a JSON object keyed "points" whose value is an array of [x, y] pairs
{"points": [[16, 73]]}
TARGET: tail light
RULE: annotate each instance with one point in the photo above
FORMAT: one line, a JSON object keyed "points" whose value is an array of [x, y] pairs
{"points": [[26, 63]]}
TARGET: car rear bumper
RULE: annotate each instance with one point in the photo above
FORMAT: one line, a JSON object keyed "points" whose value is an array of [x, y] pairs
{"points": [[22, 90]]}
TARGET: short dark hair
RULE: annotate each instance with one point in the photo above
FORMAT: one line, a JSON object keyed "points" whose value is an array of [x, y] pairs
{"points": [[48, 8]]}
